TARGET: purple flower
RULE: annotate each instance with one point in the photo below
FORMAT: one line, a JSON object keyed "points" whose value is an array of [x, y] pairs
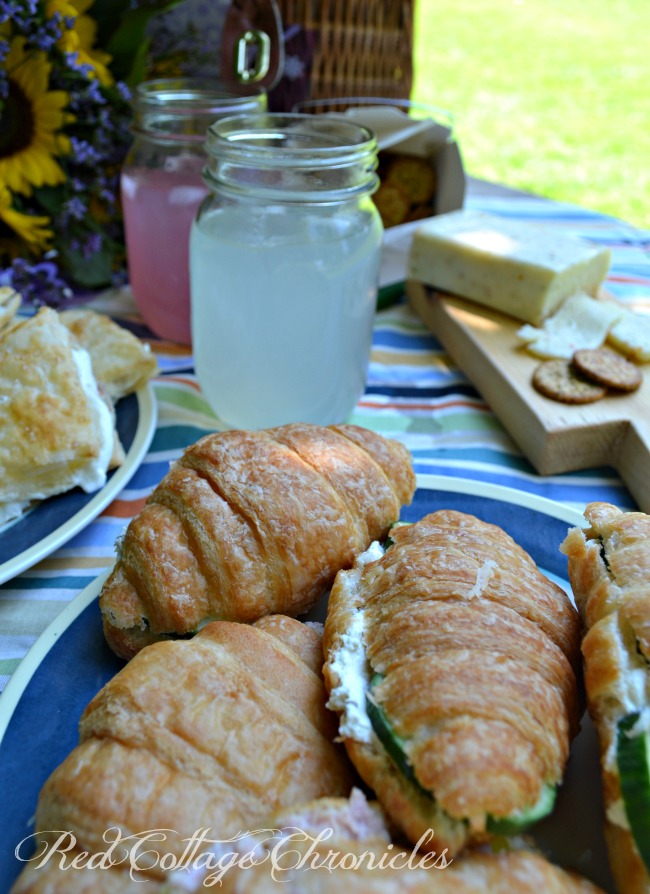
{"points": [[92, 245], [82, 68], [124, 91], [39, 283], [82, 151], [18, 11], [75, 208], [94, 93], [120, 278]]}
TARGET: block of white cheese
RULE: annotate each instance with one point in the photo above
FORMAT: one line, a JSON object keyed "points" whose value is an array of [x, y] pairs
{"points": [[522, 269], [581, 322]]}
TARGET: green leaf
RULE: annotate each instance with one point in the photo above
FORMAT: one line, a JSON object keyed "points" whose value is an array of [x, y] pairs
{"points": [[92, 272], [109, 15], [51, 198], [128, 42]]}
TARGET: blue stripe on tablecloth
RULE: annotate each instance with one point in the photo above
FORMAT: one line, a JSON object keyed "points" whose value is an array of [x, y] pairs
{"points": [[31, 581], [171, 437], [563, 490], [424, 393], [392, 338]]}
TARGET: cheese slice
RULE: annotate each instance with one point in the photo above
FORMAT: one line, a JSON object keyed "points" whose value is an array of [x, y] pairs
{"points": [[524, 270], [581, 322], [631, 335]]}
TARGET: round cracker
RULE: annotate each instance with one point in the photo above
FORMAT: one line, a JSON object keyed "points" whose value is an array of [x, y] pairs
{"points": [[558, 380], [606, 367]]}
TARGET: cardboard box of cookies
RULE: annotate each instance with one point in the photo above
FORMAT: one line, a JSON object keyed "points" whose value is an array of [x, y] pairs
{"points": [[420, 165]]}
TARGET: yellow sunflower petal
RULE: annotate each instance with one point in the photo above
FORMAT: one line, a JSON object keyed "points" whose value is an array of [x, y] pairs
{"points": [[34, 230], [40, 113]]}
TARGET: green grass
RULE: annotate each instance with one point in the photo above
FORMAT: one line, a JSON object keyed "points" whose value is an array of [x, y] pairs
{"points": [[551, 96]]}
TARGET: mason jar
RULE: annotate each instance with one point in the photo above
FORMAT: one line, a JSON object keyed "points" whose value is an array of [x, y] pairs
{"points": [[162, 186], [284, 267]]}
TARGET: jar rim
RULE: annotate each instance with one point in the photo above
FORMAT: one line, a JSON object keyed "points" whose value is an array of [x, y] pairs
{"points": [[295, 137], [178, 93]]}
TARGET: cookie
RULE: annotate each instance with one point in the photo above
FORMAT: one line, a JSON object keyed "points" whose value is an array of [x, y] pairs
{"points": [[558, 380], [414, 175], [605, 367], [392, 203]]}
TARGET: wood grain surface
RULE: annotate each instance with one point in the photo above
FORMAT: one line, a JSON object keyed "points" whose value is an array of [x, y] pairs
{"points": [[555, 437]]}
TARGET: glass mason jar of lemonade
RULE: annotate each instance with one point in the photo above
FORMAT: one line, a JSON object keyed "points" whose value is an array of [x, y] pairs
{"points": [[162, 186], [284, 267]]}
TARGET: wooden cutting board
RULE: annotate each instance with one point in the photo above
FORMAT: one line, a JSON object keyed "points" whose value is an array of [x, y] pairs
{"points": [[555, 437]]}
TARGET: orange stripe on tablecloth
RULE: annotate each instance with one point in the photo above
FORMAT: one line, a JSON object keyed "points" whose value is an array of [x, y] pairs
{"points": [[406, 405], [181, 380], [621, 278], [124, 508], [65, 563], [167, 347]]}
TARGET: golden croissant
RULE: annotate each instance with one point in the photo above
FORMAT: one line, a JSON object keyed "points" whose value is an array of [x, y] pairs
{"points": [[213, 733], [342, 845], [452, 662], [250, 523], [609, 570]]}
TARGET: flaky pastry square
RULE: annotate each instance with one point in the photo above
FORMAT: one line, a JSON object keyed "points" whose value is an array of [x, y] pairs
{"points": [[56, 431], [121, 362]]}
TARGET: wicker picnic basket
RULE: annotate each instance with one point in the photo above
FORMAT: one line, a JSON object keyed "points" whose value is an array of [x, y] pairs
{"points": [[361, 47]]}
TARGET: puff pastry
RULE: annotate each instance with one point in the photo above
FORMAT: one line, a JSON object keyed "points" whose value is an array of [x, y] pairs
{"points": [[252, 523], [10, 301], [609, 570], [216, 733], [56, 432], [121, 362], [452, 661]]}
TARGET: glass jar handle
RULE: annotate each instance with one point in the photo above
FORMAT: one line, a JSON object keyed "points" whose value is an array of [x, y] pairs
{"points": [[260, 42]]}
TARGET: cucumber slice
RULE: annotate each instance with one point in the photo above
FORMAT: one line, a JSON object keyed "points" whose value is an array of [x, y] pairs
{"points": [[520, 820], [395, 748], [393, 744], [389, 540], [633, 759]]}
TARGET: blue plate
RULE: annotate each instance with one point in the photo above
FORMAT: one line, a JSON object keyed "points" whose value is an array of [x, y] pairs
{"points": [[56, 520], [43, 701]]}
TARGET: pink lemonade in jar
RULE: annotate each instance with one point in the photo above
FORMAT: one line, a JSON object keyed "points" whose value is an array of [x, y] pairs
{"points": [[159, 205]]}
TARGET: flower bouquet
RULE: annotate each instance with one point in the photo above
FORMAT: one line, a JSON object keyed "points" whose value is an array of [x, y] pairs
{"points": [[66, 71]]}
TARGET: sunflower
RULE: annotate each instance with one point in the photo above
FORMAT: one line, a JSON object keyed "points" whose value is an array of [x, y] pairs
{"points": [[80, 38], [18, 230], [30, 121]]}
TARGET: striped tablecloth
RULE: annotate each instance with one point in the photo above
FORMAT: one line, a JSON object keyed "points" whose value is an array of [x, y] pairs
{"points": [[414, 394]]}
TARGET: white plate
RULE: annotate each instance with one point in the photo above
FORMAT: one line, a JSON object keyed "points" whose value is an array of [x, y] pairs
{"points": [[70, 662], [54, 521]]}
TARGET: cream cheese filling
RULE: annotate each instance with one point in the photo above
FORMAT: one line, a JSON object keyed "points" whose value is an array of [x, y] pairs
{"points": [[349, 664], [92, 476]]}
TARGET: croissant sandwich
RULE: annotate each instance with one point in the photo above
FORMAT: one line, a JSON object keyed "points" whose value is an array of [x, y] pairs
{"points": [[452, 660], [325, 846], [336, 844], [213, 733], [609, 570], [250, 523]]}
